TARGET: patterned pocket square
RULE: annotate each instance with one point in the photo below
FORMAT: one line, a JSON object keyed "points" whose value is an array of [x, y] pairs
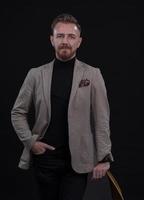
{"points": [[84, 82]]}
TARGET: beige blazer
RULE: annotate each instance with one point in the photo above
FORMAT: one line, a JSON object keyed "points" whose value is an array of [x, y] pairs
{"points": [[88, 114]]}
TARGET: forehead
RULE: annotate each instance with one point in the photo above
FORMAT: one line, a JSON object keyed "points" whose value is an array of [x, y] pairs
{"points": [[66, 28]]}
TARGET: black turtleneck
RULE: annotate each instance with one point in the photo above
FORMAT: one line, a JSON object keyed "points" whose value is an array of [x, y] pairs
{"points": [[57, 133]]}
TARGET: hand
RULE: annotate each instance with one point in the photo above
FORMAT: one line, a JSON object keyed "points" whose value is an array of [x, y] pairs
{"points": [[40, 147], [100, 170]]}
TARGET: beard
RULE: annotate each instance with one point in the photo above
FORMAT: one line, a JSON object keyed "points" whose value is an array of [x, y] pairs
{"points": [[65, 52]]}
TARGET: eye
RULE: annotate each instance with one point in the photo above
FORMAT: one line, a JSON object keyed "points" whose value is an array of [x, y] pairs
{"points": [[60, 36], [72, 36]]}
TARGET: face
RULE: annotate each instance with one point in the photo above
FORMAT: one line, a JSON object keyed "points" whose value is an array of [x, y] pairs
{"points": [[65, 40]]}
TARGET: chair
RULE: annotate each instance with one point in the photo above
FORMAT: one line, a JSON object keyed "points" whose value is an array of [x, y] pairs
{"points": [[115, 188]]}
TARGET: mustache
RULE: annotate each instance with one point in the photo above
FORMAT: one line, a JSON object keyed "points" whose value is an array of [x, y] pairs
{"points": [[64, 46]]}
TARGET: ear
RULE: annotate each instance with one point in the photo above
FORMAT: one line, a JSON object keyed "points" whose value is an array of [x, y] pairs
{"points": [[80, 41], [51, 39]]}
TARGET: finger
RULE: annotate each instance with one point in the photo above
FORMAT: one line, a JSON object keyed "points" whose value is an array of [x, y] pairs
{"points": [[41, 151], [47, 146], [96, 174], [93, 175], [99, 174], [104, 173]]}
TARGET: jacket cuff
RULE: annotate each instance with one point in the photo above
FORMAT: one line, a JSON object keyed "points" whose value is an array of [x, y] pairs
{"points": [[28, 143], [107, 158]]}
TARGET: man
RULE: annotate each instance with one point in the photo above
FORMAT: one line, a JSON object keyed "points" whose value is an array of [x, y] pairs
{"points": [[71, 134]]}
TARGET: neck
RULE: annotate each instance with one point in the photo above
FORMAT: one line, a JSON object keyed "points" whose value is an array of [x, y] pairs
{"points": [[64, 60]]}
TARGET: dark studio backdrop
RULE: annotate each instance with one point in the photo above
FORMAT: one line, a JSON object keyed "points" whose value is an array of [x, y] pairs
{"points": [[112, 42]]}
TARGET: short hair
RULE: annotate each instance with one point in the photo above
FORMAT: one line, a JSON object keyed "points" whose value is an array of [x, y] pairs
{"points": [[65, 18]]}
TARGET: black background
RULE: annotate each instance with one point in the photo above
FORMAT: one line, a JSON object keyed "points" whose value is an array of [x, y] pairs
{"points": [[112, 41]]}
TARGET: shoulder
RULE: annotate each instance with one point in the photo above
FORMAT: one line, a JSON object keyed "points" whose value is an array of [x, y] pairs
{"points": [[35, 71], [92, 69], [41, 68], [87, 66]]}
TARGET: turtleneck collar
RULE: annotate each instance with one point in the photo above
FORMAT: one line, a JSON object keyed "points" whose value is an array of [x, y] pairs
{"points": [[70, 62]]}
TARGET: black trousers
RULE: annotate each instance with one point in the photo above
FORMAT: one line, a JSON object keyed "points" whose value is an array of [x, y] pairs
{"points": [[57, 180]]}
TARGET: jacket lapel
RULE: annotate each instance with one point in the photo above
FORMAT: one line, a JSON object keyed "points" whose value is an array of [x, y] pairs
{"points": [[47, 79], [77, 77]]}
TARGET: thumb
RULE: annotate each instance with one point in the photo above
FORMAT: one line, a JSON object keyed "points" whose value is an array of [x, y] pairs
{"points": [[47, 146]]}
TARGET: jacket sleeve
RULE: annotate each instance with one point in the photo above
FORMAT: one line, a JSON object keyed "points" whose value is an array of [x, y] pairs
{"points": [[20, 111], [101, 116]]}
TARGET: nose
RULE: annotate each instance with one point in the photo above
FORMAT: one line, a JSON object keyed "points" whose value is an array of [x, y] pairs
{"points": [[65, 39]]}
